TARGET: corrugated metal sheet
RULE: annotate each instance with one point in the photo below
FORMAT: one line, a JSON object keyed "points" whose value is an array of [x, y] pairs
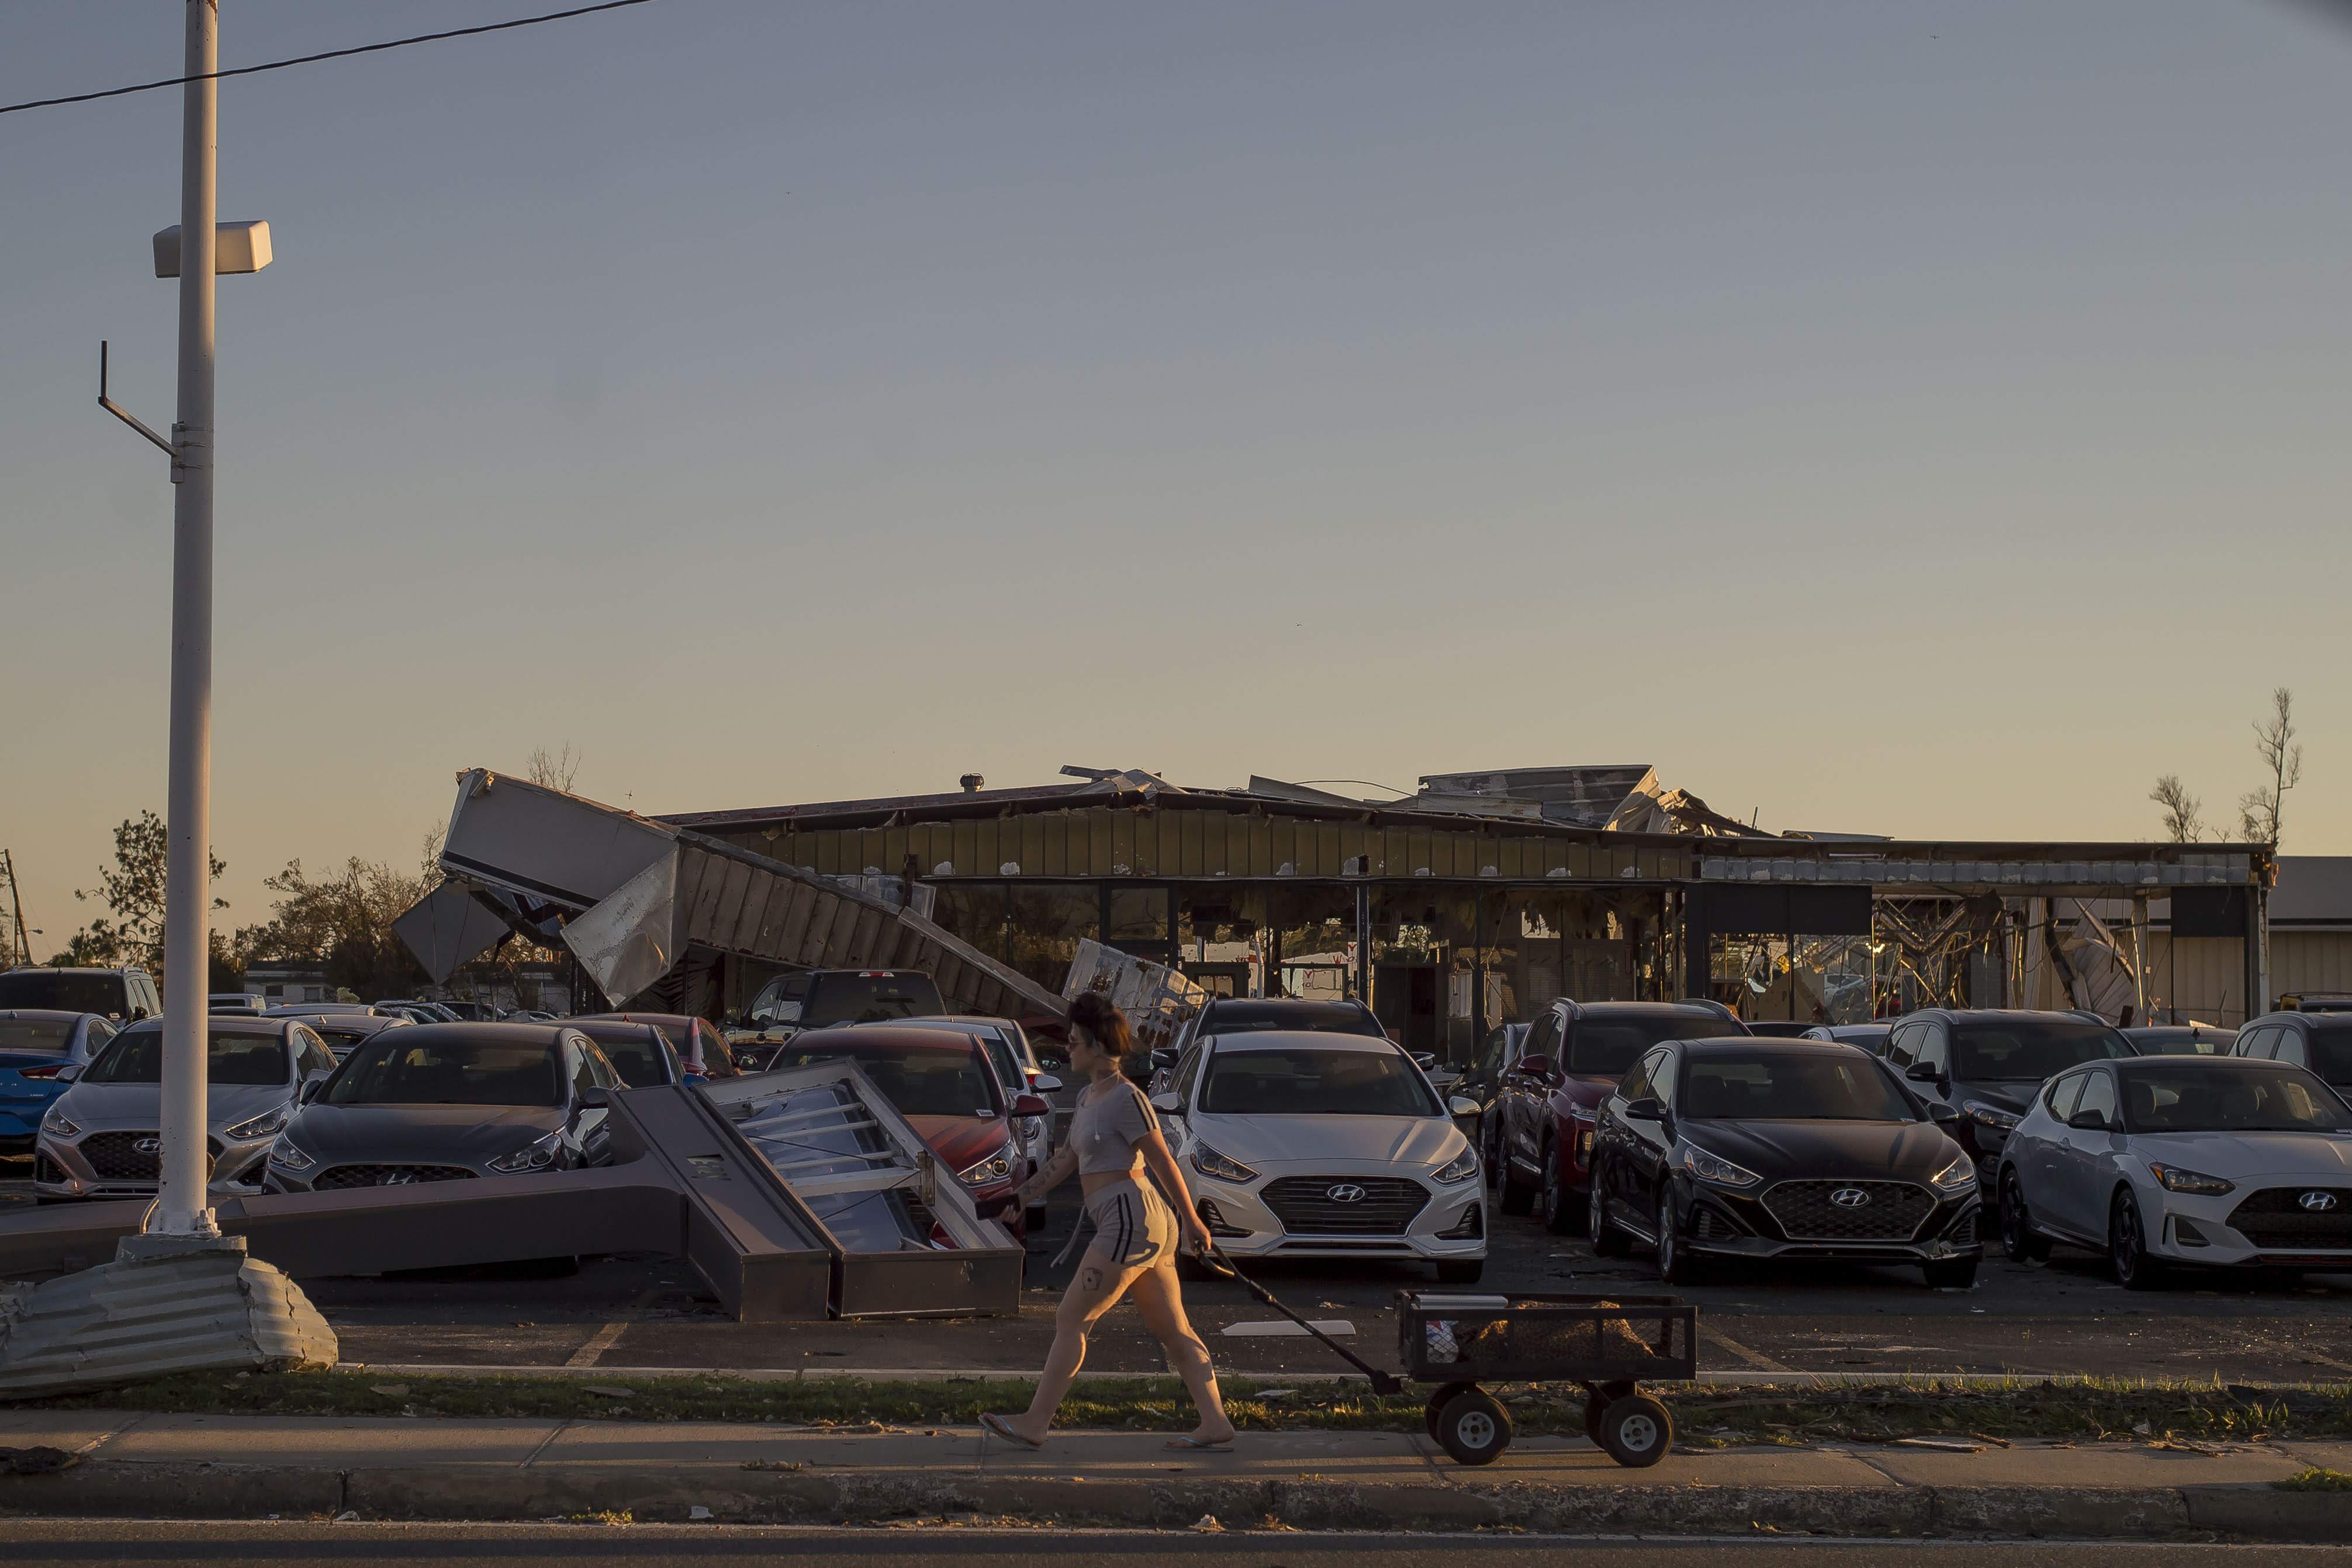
{"points": [[138, 1318]]}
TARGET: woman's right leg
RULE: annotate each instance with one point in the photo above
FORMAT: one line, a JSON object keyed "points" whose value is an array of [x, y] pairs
{"points": [[1093, 1290], [1160, 1298]]}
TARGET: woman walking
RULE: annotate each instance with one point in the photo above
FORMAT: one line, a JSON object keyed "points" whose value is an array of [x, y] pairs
{"points": [[1114, 1139]]}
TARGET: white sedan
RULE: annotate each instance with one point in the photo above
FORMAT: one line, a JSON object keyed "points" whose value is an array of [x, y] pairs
{"points": [[2156, 1161], [1324, 1146]]}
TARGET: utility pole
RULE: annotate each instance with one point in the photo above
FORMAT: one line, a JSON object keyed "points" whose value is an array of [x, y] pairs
{"points": [[22, 940], [181, 1207]]}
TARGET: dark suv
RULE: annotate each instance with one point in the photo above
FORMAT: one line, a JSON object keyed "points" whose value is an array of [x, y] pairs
{"points": [[1538, 1134], [1986, 1063], [2319, 1042], [121, 996]]}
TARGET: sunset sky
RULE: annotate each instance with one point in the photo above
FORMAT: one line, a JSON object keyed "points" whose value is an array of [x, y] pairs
{"points": [[1919, 418]]}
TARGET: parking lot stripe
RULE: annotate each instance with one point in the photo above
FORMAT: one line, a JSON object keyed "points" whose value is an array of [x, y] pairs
{"points": [[1722, 1341], [605, 1338]]}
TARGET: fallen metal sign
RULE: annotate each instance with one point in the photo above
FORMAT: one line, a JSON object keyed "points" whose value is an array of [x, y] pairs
{"points": [[687, 1181]]}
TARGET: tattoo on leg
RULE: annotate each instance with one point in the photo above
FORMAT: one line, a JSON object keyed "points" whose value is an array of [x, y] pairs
{"points": [[1093, 1279]]}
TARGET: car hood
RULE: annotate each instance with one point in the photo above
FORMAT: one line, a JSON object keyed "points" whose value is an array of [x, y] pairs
{"points": [[118, 1105], [2017, 1097], [2309, 1156], [1272, 1142], [962, 1141], [458, 1134], [1901, 1151]]}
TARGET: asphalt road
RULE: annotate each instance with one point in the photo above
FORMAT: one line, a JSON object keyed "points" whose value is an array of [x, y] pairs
{"points": [[71, 1544], [2065, 1316]]}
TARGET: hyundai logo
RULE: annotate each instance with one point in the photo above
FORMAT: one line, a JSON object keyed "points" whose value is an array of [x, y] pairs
{"points": [[148, 1146], [1850, 1198], [1346, 1192], [2316, 1202], [398, 1179]]}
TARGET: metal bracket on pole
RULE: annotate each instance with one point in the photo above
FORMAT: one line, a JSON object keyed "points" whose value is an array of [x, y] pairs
{"points": [[109, 405]]}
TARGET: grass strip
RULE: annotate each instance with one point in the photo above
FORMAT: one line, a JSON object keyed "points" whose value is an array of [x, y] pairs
{"points": [[2089, 1409]]}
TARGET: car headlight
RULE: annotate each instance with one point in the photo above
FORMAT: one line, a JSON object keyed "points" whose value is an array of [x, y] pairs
{"points": [[1715, 1168], [56, 1127], [1463, 1167], [268, 1124], [2176, 1180], [1210, 1163], [533, 1157], [1961, 1175], [1992, 1116], [286, 1156], [994, 1168]]}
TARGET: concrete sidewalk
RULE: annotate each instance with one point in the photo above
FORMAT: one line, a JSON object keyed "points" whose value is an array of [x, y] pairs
{"points": [[243, 1466]]}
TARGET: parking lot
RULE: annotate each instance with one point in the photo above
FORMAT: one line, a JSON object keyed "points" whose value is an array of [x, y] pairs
{"points": [[2067, 1316]]}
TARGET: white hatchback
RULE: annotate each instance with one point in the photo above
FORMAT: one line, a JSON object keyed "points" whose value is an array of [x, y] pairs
{"points": [[1324, 1146]]}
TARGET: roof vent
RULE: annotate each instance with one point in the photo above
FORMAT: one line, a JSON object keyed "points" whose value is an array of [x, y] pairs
{"points": [[972, 783]]}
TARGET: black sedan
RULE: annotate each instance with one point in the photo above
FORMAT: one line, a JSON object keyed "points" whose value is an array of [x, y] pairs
{"points": [[1780, 1150], [448, 1103]]}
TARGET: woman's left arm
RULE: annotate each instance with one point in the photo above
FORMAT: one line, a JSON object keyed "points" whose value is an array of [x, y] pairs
{"points": [[1163, 1165]]}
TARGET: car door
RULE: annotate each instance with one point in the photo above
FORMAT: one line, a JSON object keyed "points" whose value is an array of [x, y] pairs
{"points": [[1614, 1156], [1934, 1042], [2084, 1168], [2035, 1156], [1525, 1094], [1647, 1143]]}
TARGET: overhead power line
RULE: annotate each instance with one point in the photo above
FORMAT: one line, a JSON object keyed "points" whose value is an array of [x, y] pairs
{"points": [[329, 55]]}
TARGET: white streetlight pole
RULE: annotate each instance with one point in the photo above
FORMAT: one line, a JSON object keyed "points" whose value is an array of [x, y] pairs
{"points": [[181, 1207]]}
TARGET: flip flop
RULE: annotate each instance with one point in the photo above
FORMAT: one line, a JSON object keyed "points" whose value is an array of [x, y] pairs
{"points": [[1198, 1445], [992, 1422]]}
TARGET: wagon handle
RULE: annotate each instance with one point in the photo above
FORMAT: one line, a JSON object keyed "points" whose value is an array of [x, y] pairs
{"points": [[1384, 1382]]}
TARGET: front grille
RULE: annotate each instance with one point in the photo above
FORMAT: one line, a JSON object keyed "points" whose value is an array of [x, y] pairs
{"points": [[1306, 1207], [337, 1177], [116, 1156], [2275, 1217], [1895, 1211]]}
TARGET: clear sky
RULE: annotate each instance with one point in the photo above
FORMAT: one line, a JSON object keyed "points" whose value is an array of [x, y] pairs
{"points": [[1925, 418]]}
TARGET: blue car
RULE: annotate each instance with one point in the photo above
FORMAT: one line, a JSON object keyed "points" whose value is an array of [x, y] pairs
{"points": [[38, 1048]]}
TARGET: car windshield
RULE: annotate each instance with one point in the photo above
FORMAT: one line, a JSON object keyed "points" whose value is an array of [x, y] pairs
{"points": [[342, 1039], [48, 1036], [1307, 1081], [1304, 1017], [246, 1060], [1606, 1044], [57, 991], [1788, 1086], [396, 1069], [921, 1081], [634, 1050], [869, 998], [2027, 1050], [2218, 1099]]}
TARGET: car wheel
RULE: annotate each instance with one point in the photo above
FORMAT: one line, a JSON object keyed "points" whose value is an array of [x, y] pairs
{"points": [[1636, 1431], [1675, 1265], [2127, 1246], [1473, 1427], [1608, 1241], [1562, 1214], [1951, 1276], [1460, 1271], [2018, 1237]]}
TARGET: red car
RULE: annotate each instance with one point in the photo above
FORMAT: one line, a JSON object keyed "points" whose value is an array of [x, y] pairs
{"points": [[1539, 1136], [943, 1083], [697, 1041]]}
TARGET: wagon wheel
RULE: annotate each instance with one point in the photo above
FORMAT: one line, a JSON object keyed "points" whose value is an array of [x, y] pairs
{"points": [[1437, 1404], [1636, 1431], [1598, 1397], [1473, 1427]]}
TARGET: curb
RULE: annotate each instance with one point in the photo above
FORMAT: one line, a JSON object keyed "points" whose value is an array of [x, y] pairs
{"points": [[126, 1489]]}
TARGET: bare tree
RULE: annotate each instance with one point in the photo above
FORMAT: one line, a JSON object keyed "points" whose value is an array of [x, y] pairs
{"points": [[2182, 822], [2274, 743], [554, 772]]}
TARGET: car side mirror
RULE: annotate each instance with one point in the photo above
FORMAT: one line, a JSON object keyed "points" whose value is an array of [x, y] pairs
{"points": [[1923, 1073], [1644, 1110], [1030, 1105], [1163, 1057], [2088, 1120], [1167, 1104], [70, 1072], [595, 1097], [309, 1091], [1463, 1105], [136, 1014], [1424, 1060], [1044, 1084], [1536, 1066]]}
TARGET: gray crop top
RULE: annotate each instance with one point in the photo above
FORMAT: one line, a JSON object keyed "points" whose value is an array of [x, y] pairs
{"points": [[1107, 1125]]}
